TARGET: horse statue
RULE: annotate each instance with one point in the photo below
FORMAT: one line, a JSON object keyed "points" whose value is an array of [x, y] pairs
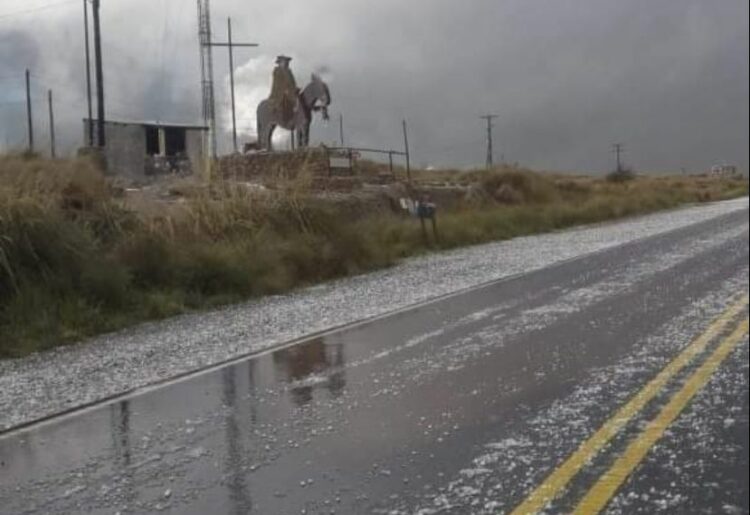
{"points": [[313, 98]]}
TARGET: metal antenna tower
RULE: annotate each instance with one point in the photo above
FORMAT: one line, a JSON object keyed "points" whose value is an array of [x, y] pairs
{"points": [[207, 74]]}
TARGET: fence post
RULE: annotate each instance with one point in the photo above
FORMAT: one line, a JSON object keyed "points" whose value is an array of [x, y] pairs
{"points": [[424, 227], [406, 150], [434, 227]]}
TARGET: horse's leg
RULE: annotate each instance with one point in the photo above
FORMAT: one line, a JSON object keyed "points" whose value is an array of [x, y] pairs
{"points": [[305, 131], [261, 136], [269, 136], [261, 125]]}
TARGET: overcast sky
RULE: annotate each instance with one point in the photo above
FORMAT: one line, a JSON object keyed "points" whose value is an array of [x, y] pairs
{"points": [[567, 78]]}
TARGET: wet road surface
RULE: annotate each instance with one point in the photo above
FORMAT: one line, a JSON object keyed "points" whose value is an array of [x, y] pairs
{"points": [[470, 404]]}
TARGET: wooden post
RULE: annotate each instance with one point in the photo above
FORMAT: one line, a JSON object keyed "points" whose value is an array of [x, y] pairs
{"points": [[390, 162], [90, 128], [406, 150], [29, 119], [231, 84], [341, 128], [424, 227], [100, 134], [51, 125]]}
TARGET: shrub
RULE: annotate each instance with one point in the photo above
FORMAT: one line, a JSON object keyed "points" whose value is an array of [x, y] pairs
{"points": [[622, 175], [150, 260], [76, 260]]}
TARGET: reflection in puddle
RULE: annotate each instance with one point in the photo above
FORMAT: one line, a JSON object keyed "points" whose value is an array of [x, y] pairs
{"points": [[236, 483], [314, 359], [121, 443]]}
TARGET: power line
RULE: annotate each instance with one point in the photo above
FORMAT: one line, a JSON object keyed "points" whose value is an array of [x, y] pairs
{"points": [[71, 92], [36, 9]]}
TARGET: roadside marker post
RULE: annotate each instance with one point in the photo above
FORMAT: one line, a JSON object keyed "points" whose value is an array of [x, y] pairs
{"points": [[427, 210]]}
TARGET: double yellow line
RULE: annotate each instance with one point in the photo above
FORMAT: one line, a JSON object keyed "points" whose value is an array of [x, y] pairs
{"points": [[603, 490]]}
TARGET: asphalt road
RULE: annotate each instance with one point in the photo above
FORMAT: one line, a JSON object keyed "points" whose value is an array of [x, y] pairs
{"points": [[617, 382]]}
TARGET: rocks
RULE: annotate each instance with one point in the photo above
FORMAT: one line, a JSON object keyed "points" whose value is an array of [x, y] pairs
{"points": [[310, 167]]}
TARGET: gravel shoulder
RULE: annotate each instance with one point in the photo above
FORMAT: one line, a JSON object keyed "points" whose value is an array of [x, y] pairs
{"points": [[44, 384]]}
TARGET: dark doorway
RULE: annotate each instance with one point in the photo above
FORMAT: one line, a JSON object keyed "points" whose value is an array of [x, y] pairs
{"points": [[174, 139], [152, 141]]}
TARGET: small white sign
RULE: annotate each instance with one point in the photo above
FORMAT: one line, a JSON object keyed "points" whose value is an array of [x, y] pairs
{"points": [[339, 162]]}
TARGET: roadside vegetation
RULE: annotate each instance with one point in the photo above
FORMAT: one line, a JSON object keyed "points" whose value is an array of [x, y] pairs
{"points": [[77, 258]]}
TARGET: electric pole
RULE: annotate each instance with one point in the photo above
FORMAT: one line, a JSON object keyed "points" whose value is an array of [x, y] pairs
{"points": [[231, 46], [207, 76], [231, 83], [29, 120], [90, 128], [489, 118], [618, 148], [51, 125], [408, 155], [341, 128], [99, 76]]}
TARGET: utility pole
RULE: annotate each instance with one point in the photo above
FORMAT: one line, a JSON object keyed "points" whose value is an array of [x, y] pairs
{"points": [[99, 76], [51, 126], [207, 74], [341, 128], [489, 118], [618, 147], [231, 82], [29, 120], [231, 46], [90, 128], [406, 151]]}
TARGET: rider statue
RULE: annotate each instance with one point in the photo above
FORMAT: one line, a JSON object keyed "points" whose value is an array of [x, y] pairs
{"points": [[289, 108], [284, 89]]}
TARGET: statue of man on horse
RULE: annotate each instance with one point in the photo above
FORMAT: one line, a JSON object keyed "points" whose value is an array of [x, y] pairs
{"points": [[284, 88], [290, 108]]}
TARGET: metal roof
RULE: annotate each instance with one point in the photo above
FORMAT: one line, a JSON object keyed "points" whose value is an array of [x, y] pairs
{"points": [[152, 123]]}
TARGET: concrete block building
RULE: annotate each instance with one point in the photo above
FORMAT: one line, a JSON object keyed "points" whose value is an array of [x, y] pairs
{"points": [[142, 149]]}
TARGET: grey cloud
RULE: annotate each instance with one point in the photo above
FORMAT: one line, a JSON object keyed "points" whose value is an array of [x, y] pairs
{"points": [[668, 78]]}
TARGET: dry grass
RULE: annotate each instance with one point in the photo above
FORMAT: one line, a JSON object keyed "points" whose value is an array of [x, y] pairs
{"points": [[77, 259]]}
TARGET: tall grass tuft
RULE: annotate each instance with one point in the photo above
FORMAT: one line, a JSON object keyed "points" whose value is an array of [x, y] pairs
{"points": [[77, 257]]}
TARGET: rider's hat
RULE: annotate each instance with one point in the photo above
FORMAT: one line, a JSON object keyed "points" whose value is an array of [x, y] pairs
{"points": [[283, 58]]}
